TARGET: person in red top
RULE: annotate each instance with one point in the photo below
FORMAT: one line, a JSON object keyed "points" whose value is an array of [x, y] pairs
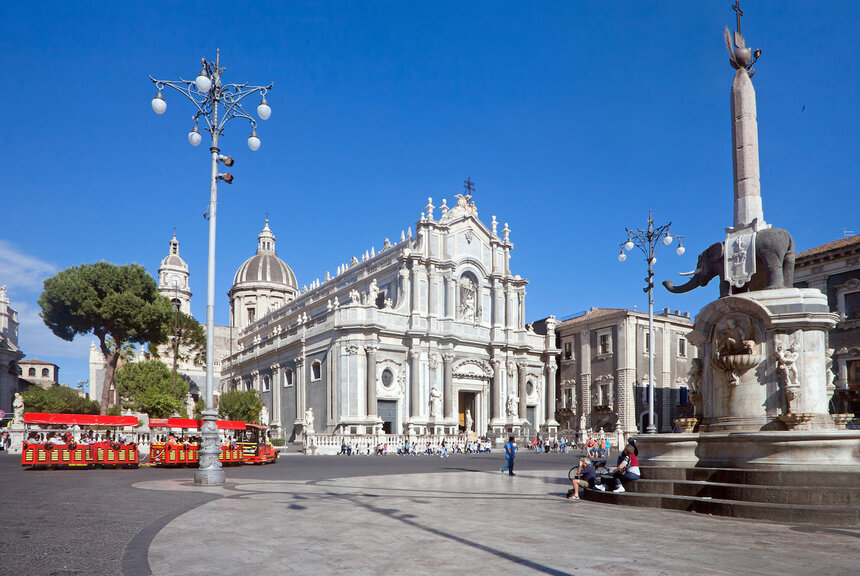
{"points": [[628, 469]]}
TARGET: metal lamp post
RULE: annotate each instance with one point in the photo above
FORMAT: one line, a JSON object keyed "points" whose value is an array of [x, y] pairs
{"points": [[649, 242], [209, 95]]}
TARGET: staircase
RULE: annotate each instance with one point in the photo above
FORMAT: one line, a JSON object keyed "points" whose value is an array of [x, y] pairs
{"points": [[796, 497]]}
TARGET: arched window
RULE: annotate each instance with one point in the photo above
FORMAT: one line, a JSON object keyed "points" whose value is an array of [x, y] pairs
{"points": [[266, 383], [31, 372], [288, 378], [316, 370], [468, 300], [46, 373]]}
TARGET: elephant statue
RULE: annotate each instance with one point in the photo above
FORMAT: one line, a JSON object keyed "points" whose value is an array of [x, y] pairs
{"points": [[774, 258]]}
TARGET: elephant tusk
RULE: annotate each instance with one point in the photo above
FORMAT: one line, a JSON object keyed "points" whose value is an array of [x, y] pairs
{"points": [[690, 273]]}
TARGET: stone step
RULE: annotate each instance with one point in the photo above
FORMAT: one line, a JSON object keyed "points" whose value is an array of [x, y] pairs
{"points": [[801, 478], [802, 495], [847, 516]]}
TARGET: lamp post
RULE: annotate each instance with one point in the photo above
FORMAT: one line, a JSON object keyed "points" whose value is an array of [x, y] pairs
{"points": [[649, 242], [209, 95]]}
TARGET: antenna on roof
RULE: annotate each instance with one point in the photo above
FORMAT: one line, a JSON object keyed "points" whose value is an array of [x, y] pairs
{"points": [[847, 233]]}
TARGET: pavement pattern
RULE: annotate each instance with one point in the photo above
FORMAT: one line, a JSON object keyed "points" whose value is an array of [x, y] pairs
{"points": [[379, 515]]}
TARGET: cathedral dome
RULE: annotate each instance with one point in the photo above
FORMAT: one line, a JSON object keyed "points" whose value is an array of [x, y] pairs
{"points": [[265, 266]]}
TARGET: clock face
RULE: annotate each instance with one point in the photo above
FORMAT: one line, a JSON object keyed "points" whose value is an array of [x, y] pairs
{"points": [[174, 280]]}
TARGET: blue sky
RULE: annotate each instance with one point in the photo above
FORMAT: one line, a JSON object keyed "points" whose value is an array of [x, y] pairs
{"points": [[573, 119]]}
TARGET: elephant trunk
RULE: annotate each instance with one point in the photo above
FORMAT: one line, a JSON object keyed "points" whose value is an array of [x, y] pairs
{"points": [[690, 284]]}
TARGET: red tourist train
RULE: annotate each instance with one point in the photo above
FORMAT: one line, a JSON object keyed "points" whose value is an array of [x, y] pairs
{"points": [[241, 443], [91, 450]]}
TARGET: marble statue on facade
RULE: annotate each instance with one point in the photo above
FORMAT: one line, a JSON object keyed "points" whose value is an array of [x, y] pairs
{"points": [[372, 292], [469, 421], [189, 406], [785, 364], [309, 421], [354, 297], [264, 416], [694, 377], [435, 402], [511, 406], [18, 409], [467, 299]]}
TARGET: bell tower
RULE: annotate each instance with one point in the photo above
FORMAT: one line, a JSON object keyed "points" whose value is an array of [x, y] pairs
{"points": [[173, 278]]}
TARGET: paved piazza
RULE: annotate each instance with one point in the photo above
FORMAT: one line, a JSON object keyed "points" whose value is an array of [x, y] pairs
{"points": [[379, 515]]}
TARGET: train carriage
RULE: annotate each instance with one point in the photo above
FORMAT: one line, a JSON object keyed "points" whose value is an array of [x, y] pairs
{"points": [[256, 446], [164, 453], [76, 453]]}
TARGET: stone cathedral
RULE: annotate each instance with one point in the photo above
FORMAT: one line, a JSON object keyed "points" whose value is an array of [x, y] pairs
{"points": [[425, 336]]}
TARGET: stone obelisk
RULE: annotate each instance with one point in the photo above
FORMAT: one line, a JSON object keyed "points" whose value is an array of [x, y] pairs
{"points": [[748, 208]]}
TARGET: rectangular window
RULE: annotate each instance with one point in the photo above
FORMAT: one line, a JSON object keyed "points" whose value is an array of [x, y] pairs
{"points": [[316, 370], [682, 347], [251, 314], [852, 306], [684, 396], [646, 345], [266, 383], [605, 343], [568, 351]]}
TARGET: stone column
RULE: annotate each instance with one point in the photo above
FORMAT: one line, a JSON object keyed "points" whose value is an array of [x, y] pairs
{"points": [[549, 397], [450, 308], [448, 360], [522, 389], [432, 285], [495, 401], [370, 350], [415, 383], [509, 307], [416, 296], [276, 395], [300, 389], [498, 304]]}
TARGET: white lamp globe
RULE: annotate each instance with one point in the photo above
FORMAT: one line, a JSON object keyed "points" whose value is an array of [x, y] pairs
{"points": [[253, 141], [263, 110], [629, 245], [204, 84], [622, 257], [194, 137], [158, 104], [667, 240], [653, 260], [680, 250]]}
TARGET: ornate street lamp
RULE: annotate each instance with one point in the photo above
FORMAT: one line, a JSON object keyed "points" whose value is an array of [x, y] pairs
{"points": [[209, 96], [649, 241]]}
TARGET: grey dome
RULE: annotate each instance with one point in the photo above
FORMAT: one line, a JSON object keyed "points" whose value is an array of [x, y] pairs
{"points": [[265, 266]]}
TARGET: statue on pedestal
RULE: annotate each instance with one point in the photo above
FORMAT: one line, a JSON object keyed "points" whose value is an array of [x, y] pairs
{"points": [[264, 416], [18, 409], [189, 406], [511, 406], [435, 402], [309, 421], [469, 421]]}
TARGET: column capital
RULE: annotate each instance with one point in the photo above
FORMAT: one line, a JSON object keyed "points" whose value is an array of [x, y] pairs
{"points": [[371, 348], [414, 353], [275, 368], [448, 357], [300, 361]]}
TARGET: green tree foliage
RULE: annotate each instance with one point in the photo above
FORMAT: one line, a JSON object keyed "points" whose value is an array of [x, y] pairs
{"points": [[120, 305], [240, 405], [149, 387], [57, 400], [186, 340]]}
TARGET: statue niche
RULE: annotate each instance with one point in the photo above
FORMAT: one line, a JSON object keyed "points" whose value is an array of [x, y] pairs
{"points": [[468, 309]]}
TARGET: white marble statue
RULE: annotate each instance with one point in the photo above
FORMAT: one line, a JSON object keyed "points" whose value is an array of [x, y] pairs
{"points": [[785, 364], [435, 402], [189, 406], [309, 421], [264, 416], [469, 421], [18, 409], [372, 292], [513, 402], [354, 297]]}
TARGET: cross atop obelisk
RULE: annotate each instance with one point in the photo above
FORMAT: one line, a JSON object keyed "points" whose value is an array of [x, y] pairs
{"points": [[748, 206]]}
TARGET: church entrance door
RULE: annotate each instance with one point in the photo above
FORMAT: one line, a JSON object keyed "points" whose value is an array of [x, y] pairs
{"points": [[387, 410], [466, 401]]}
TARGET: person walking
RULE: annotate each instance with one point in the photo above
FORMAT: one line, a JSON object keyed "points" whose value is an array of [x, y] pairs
{"points": [[510, 454]]}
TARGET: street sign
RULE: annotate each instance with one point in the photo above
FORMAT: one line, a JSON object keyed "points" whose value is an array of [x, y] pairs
{"points": [[2, 414]]}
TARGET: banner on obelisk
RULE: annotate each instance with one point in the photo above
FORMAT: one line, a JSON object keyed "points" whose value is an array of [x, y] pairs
{"points": [[739, 255]]}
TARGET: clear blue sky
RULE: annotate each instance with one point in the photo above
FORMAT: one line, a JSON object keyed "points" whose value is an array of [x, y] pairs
{"points": [[573, 119]]}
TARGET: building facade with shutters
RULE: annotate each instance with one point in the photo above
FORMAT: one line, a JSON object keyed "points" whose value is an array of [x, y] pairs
{"points": [[603, 371]]}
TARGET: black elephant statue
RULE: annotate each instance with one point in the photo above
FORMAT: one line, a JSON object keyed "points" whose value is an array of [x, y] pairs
{"points": [[774, 259]]}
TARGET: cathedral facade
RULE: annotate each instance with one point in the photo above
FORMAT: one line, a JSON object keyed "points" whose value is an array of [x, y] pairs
{"points": [[426, 336]]}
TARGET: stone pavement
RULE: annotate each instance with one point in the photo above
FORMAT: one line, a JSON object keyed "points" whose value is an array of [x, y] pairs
{"points": [[363, 515], [476, 522]]}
